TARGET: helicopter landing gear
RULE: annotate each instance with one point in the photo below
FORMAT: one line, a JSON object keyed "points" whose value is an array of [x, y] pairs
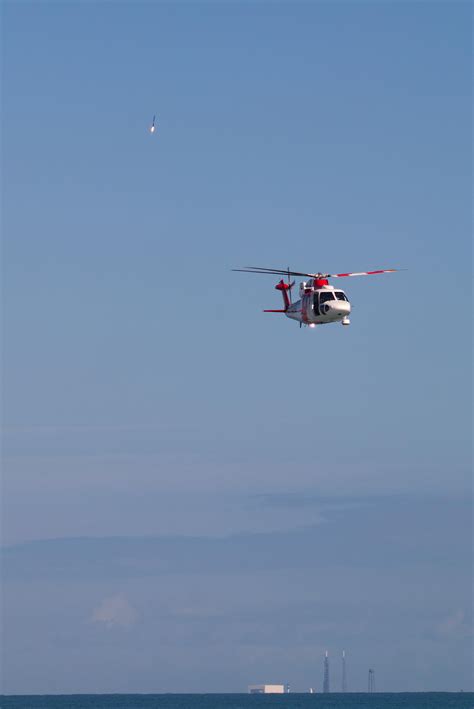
{"points": [[346, 321]]}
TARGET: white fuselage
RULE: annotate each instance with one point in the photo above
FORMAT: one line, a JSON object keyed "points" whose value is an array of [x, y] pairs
{"points": [[319, 306]]}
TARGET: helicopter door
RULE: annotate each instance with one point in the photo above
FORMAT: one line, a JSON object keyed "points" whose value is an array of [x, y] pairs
{"points": [[316, 304]]}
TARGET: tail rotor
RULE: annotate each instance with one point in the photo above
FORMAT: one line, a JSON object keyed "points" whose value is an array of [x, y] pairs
{"points": [[290, 285]]}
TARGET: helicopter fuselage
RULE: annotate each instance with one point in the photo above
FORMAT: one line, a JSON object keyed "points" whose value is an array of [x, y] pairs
{"points": [[318, 306]]}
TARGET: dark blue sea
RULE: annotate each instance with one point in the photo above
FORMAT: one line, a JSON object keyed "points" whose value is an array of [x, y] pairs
{"points": [[424, 700]]}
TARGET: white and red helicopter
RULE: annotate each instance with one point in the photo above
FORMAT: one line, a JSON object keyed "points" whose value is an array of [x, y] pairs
{"points": [[319, 302]]}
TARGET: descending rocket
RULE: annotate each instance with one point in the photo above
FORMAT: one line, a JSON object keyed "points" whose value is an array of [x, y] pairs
{"points": [[152, 127]]}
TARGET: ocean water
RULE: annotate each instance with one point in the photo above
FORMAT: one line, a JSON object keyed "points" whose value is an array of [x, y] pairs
{"points": [[424, 700]]}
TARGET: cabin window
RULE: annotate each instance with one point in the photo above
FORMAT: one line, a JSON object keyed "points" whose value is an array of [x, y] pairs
{"points": [[326, 295], [315, 304], [340, 295]]}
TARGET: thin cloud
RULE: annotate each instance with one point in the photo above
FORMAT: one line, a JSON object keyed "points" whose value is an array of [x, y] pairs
{"points": [[454, 626], [115, 611]]}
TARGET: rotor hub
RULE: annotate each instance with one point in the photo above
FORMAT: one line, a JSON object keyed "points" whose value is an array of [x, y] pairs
{"points": [[320, 282]]}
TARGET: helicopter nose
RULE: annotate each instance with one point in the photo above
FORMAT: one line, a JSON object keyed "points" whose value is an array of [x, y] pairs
{"points": [[337, 308]]}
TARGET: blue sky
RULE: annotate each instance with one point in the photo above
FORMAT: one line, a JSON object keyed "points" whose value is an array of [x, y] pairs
{"points": [[147, 399]]}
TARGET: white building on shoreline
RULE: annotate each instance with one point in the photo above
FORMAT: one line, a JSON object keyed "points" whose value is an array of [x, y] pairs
{"points": [[266, 689]]}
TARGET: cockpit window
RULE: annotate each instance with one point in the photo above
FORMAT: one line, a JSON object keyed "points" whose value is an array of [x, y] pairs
{"points": [[326, 295], [340, 295]]}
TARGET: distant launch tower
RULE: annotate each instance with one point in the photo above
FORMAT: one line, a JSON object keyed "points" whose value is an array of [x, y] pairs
{"points": [[344, 679], [371, 683], [326, 674]]}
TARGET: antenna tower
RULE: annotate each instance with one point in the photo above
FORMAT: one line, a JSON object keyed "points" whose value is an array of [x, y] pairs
{"points": [[344, 680], [371, 683], [326, 674]]}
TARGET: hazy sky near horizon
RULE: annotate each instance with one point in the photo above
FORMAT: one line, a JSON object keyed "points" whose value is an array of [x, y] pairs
{"points": [[189, 483]]}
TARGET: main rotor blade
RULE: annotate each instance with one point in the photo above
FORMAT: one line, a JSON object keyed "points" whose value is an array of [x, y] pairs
{"points": [[273, 271], [361, 273], [287, 272]]}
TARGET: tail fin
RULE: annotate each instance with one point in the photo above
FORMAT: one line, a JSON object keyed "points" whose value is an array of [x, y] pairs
{"points": [[285, 289]]}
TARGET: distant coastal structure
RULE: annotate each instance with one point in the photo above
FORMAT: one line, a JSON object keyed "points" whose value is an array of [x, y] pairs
{"points": [[326, 689], [344, 679], [266, 689], [371, 682]]}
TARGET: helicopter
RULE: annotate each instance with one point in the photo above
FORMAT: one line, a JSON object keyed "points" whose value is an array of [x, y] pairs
{"points": [[320, 303]]}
